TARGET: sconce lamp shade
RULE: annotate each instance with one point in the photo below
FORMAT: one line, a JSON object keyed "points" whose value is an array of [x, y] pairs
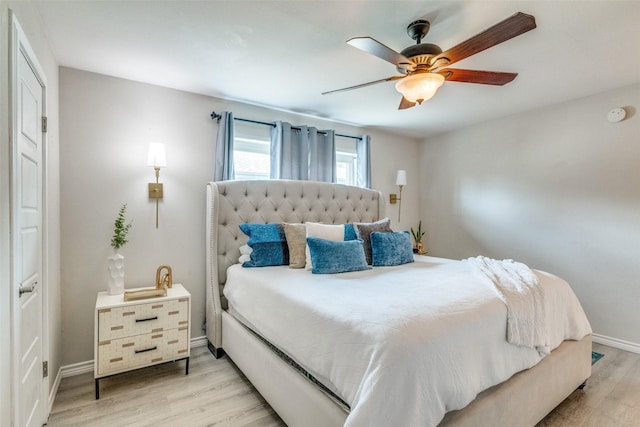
{"points": [[420, 86], [156, 157], [401, 178]]}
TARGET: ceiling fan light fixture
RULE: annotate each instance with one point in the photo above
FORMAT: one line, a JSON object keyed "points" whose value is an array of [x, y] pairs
{"points": [[419, 87]]}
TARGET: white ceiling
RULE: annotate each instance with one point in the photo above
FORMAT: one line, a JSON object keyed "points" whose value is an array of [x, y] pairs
{"points": [[283, 54]]}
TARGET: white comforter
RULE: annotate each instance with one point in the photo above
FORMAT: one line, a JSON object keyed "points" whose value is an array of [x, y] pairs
{"points": [[401, 345]]}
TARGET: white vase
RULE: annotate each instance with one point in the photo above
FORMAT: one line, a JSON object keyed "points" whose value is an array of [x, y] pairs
{"points": [[115, 265]]}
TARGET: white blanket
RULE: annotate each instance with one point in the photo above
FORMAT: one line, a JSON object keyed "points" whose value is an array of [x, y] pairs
{"points": [[401, 345], [518, 288]]}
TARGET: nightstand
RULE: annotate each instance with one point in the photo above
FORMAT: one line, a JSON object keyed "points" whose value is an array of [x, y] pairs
{"points": [[136, 334]]}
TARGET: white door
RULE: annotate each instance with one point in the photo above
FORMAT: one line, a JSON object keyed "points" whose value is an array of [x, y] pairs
{"points": [[29, 405]]}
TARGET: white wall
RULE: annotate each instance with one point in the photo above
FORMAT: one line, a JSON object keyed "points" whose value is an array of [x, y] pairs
{"points": [[106, 126], [557, 188], [30, 22]]}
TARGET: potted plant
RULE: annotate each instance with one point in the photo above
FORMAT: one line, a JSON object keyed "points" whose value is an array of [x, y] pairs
{"points": [[115, 262], [120, 229], [417, 237]]}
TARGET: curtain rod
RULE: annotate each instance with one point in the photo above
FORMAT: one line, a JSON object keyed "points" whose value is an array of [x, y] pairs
{"points": [[216, 116]]}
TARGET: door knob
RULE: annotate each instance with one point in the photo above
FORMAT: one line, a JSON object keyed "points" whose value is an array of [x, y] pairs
{"points": [[23, 290]]}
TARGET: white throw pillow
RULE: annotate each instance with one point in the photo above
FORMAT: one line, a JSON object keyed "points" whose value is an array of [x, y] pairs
{"points": [[245, 253], [322, 231]]}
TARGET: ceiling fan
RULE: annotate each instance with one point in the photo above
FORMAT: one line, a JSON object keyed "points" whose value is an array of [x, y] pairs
{"points": [[421, 65]]}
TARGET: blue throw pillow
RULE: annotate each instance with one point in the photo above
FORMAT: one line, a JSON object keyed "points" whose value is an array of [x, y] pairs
{"points": [[350, 232], [269, 245], [328, 256], [389, 249]]}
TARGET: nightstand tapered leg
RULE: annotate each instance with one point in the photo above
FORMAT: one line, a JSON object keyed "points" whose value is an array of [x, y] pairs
{"points": [[97, 389]]}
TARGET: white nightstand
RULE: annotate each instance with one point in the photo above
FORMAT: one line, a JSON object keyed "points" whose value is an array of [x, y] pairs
{"points": [[140, 333]]}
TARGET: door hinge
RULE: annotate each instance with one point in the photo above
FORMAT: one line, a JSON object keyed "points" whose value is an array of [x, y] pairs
{"points": [[44, 124], [45, 369]]}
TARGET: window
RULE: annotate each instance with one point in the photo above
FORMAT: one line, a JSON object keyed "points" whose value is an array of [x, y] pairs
{"points": [[346, 161], [251, 151], [252, 147]]}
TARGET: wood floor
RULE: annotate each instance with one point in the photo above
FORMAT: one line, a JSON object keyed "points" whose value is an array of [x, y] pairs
{"points": [[216, 394]]}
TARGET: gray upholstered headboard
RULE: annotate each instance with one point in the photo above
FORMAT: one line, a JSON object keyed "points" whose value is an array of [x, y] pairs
{"points": [[230, 203]]}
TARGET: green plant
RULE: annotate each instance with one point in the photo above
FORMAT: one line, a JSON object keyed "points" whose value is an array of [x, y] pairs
{"points": [[417, 234], [120, 229]]}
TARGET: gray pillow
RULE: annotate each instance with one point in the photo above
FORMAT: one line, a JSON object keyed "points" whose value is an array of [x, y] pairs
{"points": [[364, 230], [296, 235]]}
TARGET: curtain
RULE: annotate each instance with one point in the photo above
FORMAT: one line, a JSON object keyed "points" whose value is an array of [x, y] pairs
{"points": [[289, 152], [302, 153], [223, 164], [363, 154], [322, 155]]}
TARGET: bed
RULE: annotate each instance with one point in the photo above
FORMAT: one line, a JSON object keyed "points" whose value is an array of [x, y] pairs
{"points": [[522, 399]]}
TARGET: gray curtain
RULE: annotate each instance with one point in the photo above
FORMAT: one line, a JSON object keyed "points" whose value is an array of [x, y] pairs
{"points": [[302, 153], [223, 165], [363, 154], [322, 155], [289, 152]]}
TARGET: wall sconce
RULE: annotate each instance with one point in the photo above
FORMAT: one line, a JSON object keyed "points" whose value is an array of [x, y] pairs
{"points": [[157, 159], [401, 181]]}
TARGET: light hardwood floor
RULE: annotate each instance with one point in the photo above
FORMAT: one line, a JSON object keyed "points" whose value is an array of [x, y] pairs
{"points": [[216, 394]]}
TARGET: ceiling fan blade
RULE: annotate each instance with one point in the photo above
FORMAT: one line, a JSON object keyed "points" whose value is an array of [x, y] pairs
{"points": [[509, 28], [476, 76], [388, 79], [405, 103], [375, 48]]}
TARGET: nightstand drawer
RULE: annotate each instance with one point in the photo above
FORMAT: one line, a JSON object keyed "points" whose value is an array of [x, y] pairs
{"points": [[118, 322], [142, 350]]}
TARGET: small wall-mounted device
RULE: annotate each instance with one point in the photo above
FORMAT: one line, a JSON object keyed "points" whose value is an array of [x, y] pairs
{"points": [[616, 115]]}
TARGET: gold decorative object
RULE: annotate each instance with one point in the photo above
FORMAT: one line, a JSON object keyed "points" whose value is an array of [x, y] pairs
{"points": [[144, 293], [421, 250], [164, 281]]}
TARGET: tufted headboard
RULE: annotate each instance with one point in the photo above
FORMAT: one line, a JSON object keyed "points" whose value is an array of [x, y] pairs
{"points": [[231, 203]]}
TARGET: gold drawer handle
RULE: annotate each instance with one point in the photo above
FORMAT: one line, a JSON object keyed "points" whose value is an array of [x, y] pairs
{"points": [[147, 319], [146, 349]]}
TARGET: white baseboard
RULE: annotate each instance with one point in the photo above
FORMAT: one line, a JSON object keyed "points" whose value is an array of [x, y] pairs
{"points": [[199, 341], [54, 389], [616, 343], [84, 367], [76, 369]]}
